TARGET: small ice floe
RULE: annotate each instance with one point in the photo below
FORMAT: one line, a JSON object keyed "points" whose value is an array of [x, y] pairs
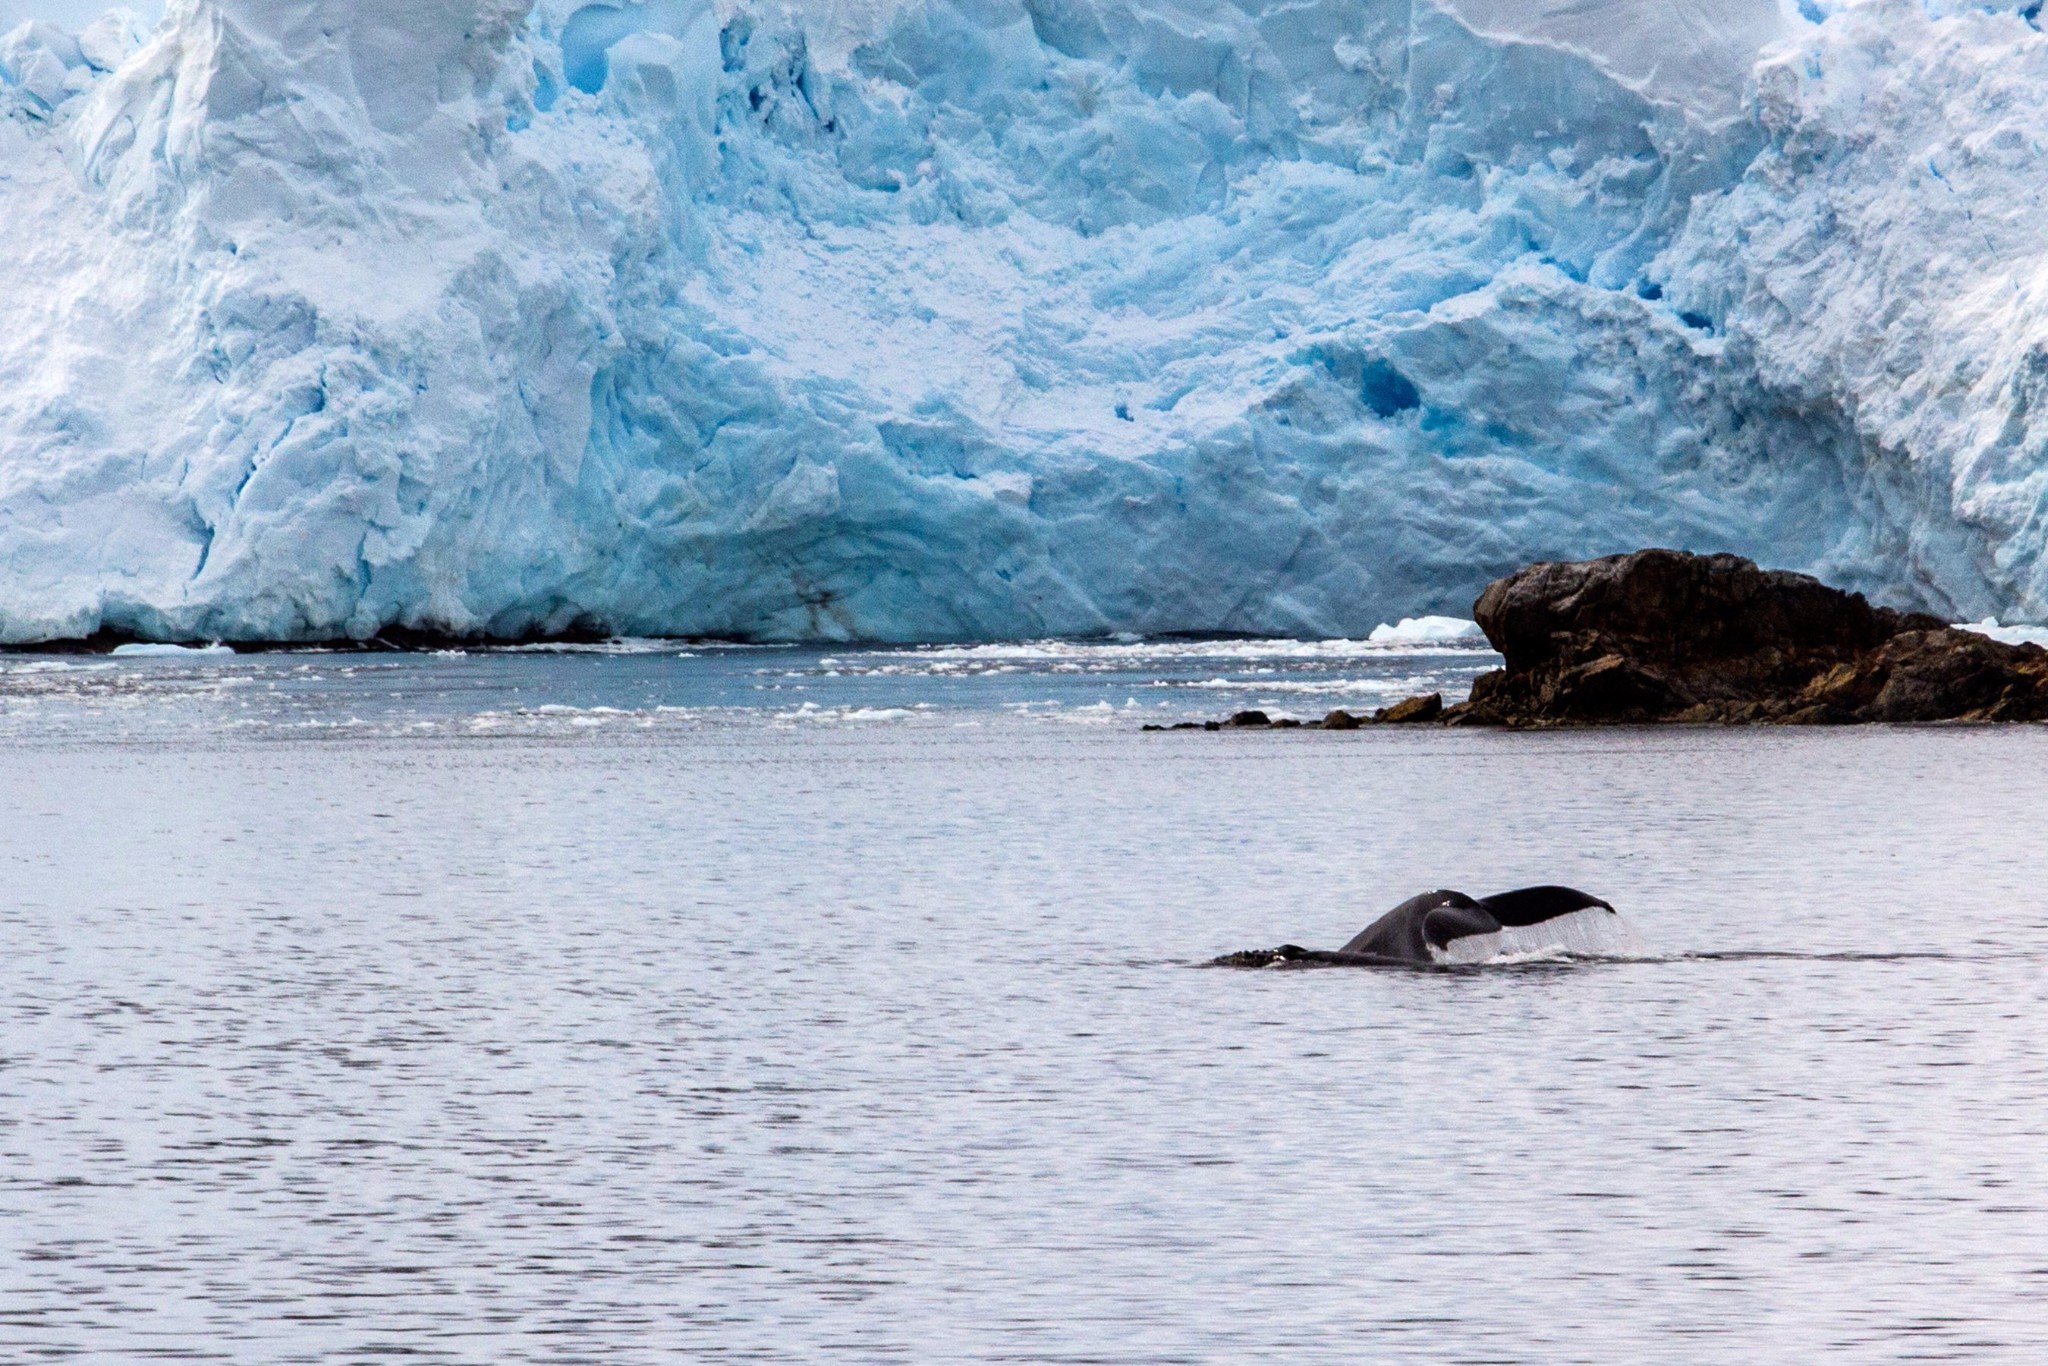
{"points": [[1120, 654], [2008, 635], [617, 645], [811, 711], [1394, 688], [1427, 631], [551, 717], [152, 651]]}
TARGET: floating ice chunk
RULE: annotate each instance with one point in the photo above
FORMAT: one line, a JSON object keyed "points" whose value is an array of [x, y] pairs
{"points": [[1427, 631], [2010, 635], [149, 651]]}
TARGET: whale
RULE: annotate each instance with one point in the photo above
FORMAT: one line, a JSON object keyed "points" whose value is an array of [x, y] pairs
{"points": [[1447, 927]]}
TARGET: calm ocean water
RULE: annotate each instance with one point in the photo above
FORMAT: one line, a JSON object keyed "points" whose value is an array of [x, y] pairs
{"points": [[655, 1005]]}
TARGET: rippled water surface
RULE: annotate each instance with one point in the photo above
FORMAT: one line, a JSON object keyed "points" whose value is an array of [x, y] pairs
{"points": [[662, 1004]]}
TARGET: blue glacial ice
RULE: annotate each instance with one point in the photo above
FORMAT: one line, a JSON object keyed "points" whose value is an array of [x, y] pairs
{"points": [[975, 319]]}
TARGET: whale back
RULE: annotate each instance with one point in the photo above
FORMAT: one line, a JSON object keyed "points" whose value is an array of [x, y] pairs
{"points": [[1534, 905], [1400, 933]]}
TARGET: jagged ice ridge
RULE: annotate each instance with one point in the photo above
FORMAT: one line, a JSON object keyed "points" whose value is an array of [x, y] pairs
{"points": [[969, 319]]}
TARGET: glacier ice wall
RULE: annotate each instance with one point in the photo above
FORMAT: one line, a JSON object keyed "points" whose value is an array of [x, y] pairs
{"points": [[940, 319]]}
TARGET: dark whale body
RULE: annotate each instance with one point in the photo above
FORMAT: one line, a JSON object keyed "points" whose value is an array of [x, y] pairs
{"points": [[1435, 920], [1423, 928]]}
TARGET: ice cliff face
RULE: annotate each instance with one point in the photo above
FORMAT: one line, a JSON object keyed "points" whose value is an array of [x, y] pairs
{"points": [[987, 318]]}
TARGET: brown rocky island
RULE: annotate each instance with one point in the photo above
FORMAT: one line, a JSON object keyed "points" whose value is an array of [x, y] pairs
{"points": [[1668, 636]]}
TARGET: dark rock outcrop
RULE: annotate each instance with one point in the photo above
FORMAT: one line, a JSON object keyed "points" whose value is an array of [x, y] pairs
{"points": [[1415, 711], [1662, 635]]}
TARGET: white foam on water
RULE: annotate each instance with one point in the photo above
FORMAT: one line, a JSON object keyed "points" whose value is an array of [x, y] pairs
{"points": [[1379, 687], [1591, 933], [1098, 714], [54, 666], [812, 712]]}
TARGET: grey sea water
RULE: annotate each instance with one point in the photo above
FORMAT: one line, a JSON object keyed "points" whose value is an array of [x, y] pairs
{"points": [[656, 1004]]}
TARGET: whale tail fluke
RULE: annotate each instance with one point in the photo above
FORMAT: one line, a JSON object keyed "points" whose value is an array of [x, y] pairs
{"points": [[1447, 927], [1534, 905], [1447, 924]]}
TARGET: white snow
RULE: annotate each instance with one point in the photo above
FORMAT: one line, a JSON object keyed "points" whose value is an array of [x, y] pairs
{"points": [[1004, 319]]}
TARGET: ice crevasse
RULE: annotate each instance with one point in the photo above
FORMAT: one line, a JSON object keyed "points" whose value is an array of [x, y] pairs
{"points": [[958, 319]]}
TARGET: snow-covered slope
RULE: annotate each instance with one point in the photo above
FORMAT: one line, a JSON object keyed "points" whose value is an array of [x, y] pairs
{"points": [[990, 318]]}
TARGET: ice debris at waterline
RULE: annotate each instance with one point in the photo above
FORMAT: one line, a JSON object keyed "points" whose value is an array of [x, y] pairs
{"points": [[1427, 631], [144, 651], [938, 320]]}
